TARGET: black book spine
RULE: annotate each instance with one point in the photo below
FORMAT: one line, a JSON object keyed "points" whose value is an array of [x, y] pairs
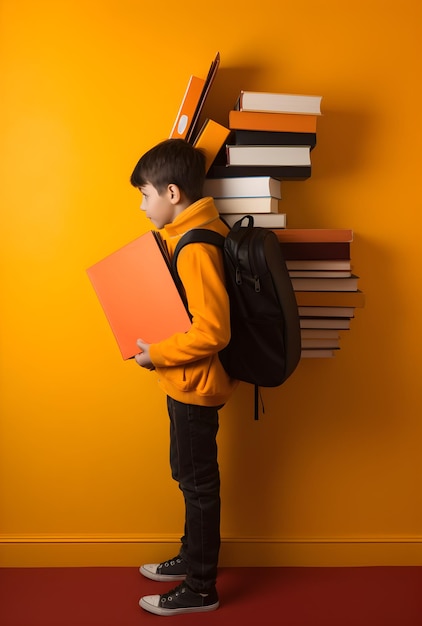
{"points": [[269, 138]]}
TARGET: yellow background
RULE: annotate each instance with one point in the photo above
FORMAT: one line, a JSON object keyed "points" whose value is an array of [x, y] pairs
{"points": [[331, 474]]}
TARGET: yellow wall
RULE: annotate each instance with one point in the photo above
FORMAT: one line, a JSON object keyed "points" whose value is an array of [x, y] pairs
{"points": [[331, 474]]}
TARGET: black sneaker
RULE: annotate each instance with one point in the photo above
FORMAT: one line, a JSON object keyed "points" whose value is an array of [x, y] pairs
{"points": [[171, 570], [180, 600]]}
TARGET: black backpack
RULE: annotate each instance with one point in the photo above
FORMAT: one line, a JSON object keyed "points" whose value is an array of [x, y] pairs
{"points": [[265, 344]]}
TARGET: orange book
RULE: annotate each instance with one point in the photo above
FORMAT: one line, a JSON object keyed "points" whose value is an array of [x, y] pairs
{"points": [[192, 103], [280, 122], [330, 298], [208, 83], [307, 235], [136, 290], [189, 104], [211, 138]]}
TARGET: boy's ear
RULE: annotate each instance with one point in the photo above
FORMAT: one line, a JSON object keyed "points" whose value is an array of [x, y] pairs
{"points": [[174, 193]]}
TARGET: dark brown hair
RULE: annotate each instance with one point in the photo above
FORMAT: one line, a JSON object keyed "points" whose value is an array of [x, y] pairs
{"points": [[172, 161]]}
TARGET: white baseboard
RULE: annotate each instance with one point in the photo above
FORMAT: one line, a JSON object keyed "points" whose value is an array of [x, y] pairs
{"points": [[132, 550]]}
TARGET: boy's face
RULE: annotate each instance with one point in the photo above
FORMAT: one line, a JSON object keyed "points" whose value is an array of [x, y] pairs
{"points": [[158, 208]]}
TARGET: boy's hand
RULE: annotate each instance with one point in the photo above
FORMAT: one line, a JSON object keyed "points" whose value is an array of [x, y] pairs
{"points": [[143, 359]]}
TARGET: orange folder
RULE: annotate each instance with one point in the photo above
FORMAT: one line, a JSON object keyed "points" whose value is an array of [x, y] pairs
{"points": [[138, 295], [185, 115], [193, 101]]}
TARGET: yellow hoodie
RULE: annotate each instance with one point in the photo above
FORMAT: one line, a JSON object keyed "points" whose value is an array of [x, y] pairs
{"points": [[187, 364]]}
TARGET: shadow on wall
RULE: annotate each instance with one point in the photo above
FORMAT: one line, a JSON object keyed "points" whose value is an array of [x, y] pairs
{"points": [[228, 83]]}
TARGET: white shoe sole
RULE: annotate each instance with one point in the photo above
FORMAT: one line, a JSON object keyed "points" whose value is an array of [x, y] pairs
{"points": [[157, 610], [161, 577]]}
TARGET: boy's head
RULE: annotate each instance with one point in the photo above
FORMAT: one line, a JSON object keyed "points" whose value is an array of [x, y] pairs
{"points": [[172, 162]]}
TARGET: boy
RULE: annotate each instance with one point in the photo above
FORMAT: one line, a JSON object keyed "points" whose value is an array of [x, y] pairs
{"points": [[170, 177]]}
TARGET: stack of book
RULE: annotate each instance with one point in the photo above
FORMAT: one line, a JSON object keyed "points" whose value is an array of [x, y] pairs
{"points": [[271, 138], [248, 195], [272, 134], [327, 294]]}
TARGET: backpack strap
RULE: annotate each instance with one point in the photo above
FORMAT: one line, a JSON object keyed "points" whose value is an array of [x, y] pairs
{"points": [[196, 235]]}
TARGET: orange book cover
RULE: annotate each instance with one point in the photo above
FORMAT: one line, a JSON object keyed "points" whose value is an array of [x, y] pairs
{"points": [[308, 235], [281, 122], [207, 86], [193, 102], [188, 106], [136, 290], [330, 298], [210, 139]]}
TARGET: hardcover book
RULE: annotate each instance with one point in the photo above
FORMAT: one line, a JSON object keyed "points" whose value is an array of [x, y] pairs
{"points": [[243, 187], [326, 311], [315, 250], [184, 117], [273, 138], [330, 298], [312, 344], [205, 91], [243, 206], [278, 103], [196, 92], [326, 264], [282, 172], [210, 139], [327, 323], [326, 284], [320, 353], [320, 273], [285, 122], [314, 235], [135, 288], [268, 155]]}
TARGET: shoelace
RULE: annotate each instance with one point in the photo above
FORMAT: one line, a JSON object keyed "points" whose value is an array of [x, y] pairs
{"points": [[174, 592]]}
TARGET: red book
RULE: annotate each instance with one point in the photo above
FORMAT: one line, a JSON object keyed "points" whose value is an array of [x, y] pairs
{"points": [[314, 235], [315, 250], [136, 290]]}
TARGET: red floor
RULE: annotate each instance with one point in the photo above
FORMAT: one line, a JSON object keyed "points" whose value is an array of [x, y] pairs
{"points": [[370, 596]]}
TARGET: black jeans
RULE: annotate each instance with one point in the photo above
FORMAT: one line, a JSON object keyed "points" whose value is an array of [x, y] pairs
{"points": [[194, 465]]}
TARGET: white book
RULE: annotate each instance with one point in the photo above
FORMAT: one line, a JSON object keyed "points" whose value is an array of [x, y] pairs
{"points": [[268, 155], [319, 333], [320, 274], [243, 187], [278, 219], [319, 264], [320, 343], [278, 103], [326, 284], [319, 353], [326, 311], [267, 204], [325, 322]]}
